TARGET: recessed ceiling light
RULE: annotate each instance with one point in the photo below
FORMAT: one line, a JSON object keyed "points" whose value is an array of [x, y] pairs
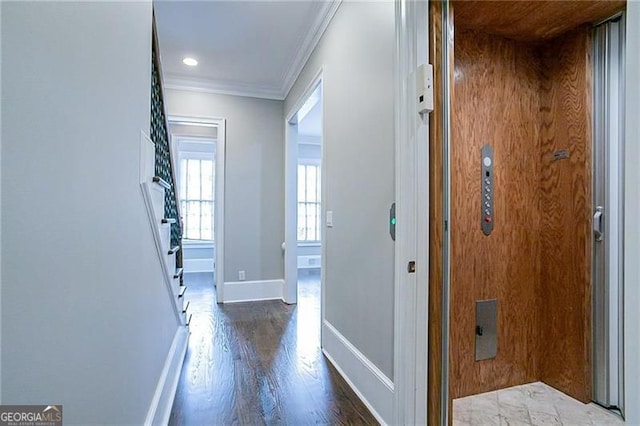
{"points": [[190, 61]]}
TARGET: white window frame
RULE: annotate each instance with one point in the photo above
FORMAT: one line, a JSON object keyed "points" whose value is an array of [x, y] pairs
{"points": [[194, 155], [311, 162]]}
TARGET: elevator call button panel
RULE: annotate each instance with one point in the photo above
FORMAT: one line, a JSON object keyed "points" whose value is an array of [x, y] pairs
{"points": [[486, 202]]}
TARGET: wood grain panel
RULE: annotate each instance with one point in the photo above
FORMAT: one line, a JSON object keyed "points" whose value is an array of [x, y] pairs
{"points": [[532, 20], [495, 100], [566, 204], [434, 381]]}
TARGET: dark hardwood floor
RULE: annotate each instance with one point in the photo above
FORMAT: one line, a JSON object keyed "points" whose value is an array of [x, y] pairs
{"points": [[260, 363]]}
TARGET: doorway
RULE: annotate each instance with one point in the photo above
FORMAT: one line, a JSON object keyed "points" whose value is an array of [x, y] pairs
{"points": [[198, 146], [608, 218], [516, 281], [303, 249]]}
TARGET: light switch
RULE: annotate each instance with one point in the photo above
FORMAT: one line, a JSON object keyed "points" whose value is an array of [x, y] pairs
{"points": [[329, 219]]}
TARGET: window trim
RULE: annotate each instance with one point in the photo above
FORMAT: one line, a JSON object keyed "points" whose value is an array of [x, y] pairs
{"points": [[311, 162], [195, 155]]}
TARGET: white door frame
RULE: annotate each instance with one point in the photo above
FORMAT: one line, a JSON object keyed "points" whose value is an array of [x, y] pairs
{"points": [[290, 291], [411, 292], [412, 212], [218, 225], [631, 224]]}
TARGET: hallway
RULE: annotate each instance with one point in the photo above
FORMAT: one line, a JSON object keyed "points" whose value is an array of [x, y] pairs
{"points": [[260, 363]]}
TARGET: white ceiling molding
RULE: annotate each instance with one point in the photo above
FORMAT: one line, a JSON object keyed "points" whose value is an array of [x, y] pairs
{"points": [[306, 47], [326, 12], [193, 84]]}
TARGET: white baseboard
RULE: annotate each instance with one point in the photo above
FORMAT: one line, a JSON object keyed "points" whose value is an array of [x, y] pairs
{"points": [[197, 265], [371, 385], [250, 291], [162, 402]]}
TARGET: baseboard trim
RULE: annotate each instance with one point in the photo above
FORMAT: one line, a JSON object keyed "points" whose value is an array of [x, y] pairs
{"points": [[162, 402], [197, 265], [251, 291], [371, 385]]}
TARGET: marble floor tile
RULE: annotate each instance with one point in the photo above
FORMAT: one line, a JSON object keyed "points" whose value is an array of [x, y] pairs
{"points": [[534, 404]]}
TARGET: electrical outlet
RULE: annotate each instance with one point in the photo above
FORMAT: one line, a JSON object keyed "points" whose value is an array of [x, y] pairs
{"points": [[241, 275]]}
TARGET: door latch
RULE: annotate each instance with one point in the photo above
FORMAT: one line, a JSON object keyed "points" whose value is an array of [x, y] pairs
{"points": [[411, 267]]}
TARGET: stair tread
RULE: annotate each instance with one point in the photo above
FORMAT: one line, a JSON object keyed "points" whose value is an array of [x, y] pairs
{"points": [[189, 320], [185, 307], [174, 250], [168, 220]]}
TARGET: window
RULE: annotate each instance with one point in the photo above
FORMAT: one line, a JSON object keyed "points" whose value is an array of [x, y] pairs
{"points": [[197, 178], [308, 202]]}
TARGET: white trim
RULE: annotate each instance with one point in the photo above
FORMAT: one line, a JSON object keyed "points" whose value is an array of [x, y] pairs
{"points": [[412, 211], [147, 157], [291, 195], [202, 85], [252, 291], [219, 195], [160, 251], [631, 224], [371, 385], [196, 155], [192, 266], [162, 401], [309, 244], [309, 162], [198, 243], [308, 45], [278, 91]]}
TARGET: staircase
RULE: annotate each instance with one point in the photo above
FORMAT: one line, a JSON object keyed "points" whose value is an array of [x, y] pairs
{"points": [[158, 182], [154, 190]]}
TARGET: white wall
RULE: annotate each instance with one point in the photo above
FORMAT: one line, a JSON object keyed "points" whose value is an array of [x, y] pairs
{"points": [[87, 322], [357, 56], [254, 188], [632, 225]]}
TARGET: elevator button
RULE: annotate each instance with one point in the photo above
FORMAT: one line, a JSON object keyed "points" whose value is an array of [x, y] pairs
{"points": [[487, 219]]}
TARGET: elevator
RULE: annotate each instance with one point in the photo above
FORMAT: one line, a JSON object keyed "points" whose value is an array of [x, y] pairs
{"points": [[526, 200]]}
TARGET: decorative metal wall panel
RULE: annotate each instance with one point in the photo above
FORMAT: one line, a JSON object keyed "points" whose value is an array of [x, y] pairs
{"points": [[160, 137]]}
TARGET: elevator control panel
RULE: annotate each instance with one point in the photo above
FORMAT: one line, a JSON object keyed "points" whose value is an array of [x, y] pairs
{"points": [[486, 202]]}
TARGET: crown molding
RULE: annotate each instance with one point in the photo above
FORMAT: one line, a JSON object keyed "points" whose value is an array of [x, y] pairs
{"points": [[202, 85], [307, 45], [304, 49]]}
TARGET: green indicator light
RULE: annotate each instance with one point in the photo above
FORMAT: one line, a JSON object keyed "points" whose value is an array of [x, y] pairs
{"points": [[393, 221]]}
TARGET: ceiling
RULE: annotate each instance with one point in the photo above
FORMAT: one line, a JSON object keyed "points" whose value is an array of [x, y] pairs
{"points": [[248, 48], [531, 20], [311, 124]]}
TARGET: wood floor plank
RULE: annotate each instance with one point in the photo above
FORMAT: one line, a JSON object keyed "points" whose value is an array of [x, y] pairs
{"points": [[260, 363]]}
